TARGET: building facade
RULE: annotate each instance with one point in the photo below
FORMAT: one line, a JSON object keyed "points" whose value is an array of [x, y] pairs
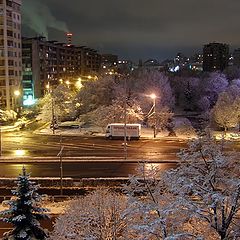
{"points": [[47, 63], [10, 54], [215, 57]]}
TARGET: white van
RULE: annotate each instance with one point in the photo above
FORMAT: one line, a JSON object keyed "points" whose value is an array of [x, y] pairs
{"points": [[116, 130]]}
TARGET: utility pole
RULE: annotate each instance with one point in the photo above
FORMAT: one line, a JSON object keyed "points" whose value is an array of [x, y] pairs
{"points": [[153, 113], [155, 117], [53, 117], [125, 117], [0, 141], [61, 166]]}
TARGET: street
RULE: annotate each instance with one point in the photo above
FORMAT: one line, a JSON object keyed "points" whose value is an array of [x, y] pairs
{"points": [[78, 170], [89, 146], [85, 156]]}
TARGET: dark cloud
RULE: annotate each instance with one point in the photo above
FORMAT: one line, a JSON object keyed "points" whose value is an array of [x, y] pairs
{"points": [[139, 28]]}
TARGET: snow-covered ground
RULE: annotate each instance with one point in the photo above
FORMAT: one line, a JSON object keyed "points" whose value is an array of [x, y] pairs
{"points": [[98, 131], [54, 207]]}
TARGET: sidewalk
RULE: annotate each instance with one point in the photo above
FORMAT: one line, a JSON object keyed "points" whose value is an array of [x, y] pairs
{"points": [[16, 126], [146, 133]]}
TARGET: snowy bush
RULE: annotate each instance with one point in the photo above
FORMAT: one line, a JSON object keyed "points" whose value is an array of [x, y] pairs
{"points": [[7, 116], [99, 215], [183, 127]]}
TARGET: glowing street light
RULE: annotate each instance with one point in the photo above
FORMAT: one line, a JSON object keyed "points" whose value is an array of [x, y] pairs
{"points": [[79, 83], [15, 101], [68, 83], [20, 152], [17, 93], [153, 96], [48, 87]]}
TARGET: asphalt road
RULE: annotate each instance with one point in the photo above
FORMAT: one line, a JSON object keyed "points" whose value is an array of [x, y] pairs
{"points": [[77, 146], [85, 156], [79, 170]]}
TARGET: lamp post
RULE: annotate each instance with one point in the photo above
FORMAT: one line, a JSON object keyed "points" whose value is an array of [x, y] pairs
{"points": [[53, 125], [153, 97]]}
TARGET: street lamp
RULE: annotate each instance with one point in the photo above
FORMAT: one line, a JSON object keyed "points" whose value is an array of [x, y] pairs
{"points": [[79, 83], [48, 87], [153, 97], [16, 94], [68, 83]]}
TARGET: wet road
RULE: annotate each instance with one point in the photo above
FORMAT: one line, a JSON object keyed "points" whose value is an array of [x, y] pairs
{"points": [[39, 145], [79, 170]]}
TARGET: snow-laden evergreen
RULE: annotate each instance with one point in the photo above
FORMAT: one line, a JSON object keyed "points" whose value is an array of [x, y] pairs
{"points": [[25, 211]]}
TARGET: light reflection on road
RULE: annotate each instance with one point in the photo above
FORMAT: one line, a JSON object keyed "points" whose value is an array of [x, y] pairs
{"points": [[79, 170]]}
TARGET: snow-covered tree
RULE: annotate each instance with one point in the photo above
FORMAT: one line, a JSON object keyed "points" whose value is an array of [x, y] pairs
{"points": [[25, 211], [96, 93], [226, 112], [161, 119], [97, 216], [113, 113], [144, 82], [152, 210], [187, 91], [211, 86], [207, 182], [62, 101]]}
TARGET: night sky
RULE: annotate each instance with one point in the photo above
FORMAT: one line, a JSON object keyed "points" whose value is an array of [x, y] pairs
{"points": [[136, 29]]}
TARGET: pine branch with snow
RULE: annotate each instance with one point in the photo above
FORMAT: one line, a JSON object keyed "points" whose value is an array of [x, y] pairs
{"points": [[25, 211]]}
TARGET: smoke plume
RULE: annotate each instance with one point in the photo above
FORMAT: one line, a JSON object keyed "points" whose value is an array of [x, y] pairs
{"points": [[39, 18]]}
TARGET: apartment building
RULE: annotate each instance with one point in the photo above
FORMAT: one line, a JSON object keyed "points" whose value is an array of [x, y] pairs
{"points": [[215, 57], [10, 54], [48, 63]]}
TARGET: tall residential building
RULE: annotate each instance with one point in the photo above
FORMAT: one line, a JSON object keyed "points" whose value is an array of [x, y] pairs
{"points": [[48, 63], [10, 53], [215, 57]]}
